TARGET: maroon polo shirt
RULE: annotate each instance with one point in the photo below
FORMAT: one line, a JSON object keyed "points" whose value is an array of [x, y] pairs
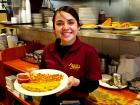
{"points": [[80, 61]]}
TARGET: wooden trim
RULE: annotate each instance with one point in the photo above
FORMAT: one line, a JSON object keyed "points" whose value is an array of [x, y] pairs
{"points": [[13, 53], [19, 99], [19, 65]]}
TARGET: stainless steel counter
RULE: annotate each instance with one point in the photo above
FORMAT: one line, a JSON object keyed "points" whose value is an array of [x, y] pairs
{"points": [[112, 42], [131, 35]]}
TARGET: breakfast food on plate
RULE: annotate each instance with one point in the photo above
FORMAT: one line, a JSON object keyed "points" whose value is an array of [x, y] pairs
{"points": [[125, 24], [41, 78], [41, 87], [116, 24], [23, 78], [42, 82], [121, 24], [107, 22], [90, 25]]}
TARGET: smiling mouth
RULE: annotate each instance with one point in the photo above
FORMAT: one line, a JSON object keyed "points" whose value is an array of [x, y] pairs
{"points": [[66, 33]]}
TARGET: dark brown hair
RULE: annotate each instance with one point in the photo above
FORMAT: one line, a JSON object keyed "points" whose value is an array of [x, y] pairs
{"points": [[69, 10]]}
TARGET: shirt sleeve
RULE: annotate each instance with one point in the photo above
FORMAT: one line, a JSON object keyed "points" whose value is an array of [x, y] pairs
{"points": [[93, 69], [86, 85]]}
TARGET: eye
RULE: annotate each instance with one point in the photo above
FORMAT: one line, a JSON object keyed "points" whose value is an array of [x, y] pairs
{"points": [[71, 22], [59, 24]]}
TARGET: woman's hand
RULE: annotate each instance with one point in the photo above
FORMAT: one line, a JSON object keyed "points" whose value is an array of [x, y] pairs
{"points": [[72, 81]]}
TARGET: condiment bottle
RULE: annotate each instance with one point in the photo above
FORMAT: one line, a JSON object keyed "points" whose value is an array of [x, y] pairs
{"points": [[3, 39], [102, 17]]}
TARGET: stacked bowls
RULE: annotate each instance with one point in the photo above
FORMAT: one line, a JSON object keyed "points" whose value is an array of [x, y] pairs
{"points": [[37, 18], [46, 14], [88, 15]]}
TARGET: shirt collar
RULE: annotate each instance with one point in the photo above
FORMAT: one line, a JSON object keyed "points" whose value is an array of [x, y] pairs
{"points": [[75, 45]]}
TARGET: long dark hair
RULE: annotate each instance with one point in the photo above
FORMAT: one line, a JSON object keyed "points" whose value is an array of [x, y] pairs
{"points": [[69, 10]]}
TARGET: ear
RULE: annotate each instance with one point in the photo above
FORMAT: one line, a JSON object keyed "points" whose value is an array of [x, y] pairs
{"points": [[80, 24], [78, 27]]}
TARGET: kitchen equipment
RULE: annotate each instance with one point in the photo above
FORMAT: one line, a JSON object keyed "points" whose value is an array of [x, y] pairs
{"points": [[3, 39], [88, 15], [28, 11], [117, 79], [13, 19], [35, 5], [37, 18], [129, 67], [102, 17], [105, 61], [12, 39], [134, 85], [25, 12]]}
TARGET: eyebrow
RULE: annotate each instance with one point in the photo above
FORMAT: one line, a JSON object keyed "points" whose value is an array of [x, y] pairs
{"points": [[66, 19]]}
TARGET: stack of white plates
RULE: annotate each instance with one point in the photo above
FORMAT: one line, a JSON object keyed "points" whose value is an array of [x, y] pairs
{"points": [[88, 15], [47, 14], [38, 25], [37, 18]]}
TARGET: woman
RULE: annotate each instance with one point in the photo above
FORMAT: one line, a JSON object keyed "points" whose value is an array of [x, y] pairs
{"points": [[78, 60]]}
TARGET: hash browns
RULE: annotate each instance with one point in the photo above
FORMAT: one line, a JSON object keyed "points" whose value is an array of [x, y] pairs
{"points": [[39, 78]]}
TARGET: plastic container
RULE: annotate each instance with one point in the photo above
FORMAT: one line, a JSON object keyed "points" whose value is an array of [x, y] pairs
{"points": [[22, 78]]}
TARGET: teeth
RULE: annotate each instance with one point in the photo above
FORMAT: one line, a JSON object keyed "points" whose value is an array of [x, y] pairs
{"points": [[67, 32]]}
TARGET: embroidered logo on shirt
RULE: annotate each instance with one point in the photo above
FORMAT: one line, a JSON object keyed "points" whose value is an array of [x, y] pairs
{"points": [[74, 66]]}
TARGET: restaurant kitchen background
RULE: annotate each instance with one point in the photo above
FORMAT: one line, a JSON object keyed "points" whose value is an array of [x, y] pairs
{"points": [[125, 10], [111, 44]]}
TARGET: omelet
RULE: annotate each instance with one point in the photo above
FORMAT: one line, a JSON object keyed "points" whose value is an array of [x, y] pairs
{"points": [[40, 87]]}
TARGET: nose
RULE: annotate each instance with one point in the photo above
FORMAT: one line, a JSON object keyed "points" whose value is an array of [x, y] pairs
{"points": [[65, 26]]}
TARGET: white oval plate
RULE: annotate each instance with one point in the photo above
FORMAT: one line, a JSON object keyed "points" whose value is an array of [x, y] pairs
{"points": [[89, 27], [105, 27], [122, 28], [106, 77], [63, 84], [109, 86]]}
